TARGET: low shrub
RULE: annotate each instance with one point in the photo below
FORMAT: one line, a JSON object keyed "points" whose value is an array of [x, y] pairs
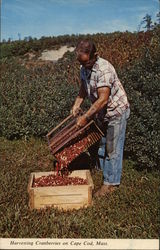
{"points": [[142, 83], [32, 104]]}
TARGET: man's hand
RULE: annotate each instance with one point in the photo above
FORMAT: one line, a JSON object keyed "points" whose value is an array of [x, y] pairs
{"points": [[81, 121], [75, 110]]}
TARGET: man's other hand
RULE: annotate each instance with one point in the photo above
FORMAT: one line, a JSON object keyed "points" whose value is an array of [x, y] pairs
{"points": [[81, 121]]}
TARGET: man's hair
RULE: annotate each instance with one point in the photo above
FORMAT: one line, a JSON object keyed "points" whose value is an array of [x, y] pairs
{"points": [[86, 46]]}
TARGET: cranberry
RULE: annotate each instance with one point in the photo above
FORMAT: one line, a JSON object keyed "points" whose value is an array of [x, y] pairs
{"points": [[54, 180]]}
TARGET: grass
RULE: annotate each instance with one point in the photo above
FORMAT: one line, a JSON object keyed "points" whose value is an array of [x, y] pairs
{"points": [[130, 212]]}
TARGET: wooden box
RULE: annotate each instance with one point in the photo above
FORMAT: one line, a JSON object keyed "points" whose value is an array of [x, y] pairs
{"points": [[62, 197]]}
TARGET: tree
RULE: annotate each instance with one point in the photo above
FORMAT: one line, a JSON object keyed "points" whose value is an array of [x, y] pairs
{"points": [[148, 21], [19, 36], [158, 14], [158, 17]]}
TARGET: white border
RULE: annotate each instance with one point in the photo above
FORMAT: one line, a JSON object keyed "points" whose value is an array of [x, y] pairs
{"points": [[96, 244]]}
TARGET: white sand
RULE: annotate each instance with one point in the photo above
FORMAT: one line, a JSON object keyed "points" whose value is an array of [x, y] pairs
{"points": [[54, 55]]}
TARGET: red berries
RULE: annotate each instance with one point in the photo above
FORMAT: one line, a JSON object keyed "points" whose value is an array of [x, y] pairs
{"points": [[54, 180], [67, 155]]}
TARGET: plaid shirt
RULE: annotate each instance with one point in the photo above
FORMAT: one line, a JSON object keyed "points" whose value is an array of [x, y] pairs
{"points": [[103, 74]]}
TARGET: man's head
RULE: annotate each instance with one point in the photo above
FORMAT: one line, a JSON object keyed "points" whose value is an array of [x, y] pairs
{"points": [[86, 53]]}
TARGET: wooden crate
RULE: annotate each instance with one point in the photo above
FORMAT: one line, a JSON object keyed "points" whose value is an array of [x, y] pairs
{"points": [[62, 197]]}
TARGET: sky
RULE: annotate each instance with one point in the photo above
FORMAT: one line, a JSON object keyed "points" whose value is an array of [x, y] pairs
{"points": [[37, 18]]}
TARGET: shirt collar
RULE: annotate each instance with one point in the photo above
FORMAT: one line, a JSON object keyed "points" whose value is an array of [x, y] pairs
{"points": [[94, 68]]}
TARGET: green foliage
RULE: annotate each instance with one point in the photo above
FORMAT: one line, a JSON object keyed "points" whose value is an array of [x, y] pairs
{"points": [[31, 104], [147, 20], [6, 50], [20, 47], [142, 83], [120, 48], [130, 212]]}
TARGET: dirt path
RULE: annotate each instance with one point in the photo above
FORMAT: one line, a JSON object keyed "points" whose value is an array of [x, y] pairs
{"points": [[54, 55]]}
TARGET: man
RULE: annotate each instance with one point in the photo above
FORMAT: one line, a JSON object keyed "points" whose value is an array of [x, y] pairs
{"points": [[110, 108]]}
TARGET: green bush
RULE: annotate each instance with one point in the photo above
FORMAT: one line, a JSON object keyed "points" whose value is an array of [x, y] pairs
{"points": [[31, 104], [142, 83]]}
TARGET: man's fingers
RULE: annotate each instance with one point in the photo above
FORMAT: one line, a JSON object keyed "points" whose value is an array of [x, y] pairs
{"points": [[75, 111], [71, 112]]}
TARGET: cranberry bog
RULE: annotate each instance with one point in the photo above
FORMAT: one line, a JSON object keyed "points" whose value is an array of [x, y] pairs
{"points": [[69, 192]]}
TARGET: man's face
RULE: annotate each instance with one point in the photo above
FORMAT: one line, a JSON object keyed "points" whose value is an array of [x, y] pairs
{"points": [[85, 60]]}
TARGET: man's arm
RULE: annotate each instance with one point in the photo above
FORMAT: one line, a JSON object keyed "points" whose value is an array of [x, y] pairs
{"points": [[101, 102]]}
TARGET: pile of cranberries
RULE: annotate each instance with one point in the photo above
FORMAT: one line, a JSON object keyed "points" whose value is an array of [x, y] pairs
{"points": [[67, 155], [64, 158], [54, 180]]}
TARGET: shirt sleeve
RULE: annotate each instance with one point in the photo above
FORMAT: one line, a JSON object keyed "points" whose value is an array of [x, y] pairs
{"points": [[105, 79]]}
